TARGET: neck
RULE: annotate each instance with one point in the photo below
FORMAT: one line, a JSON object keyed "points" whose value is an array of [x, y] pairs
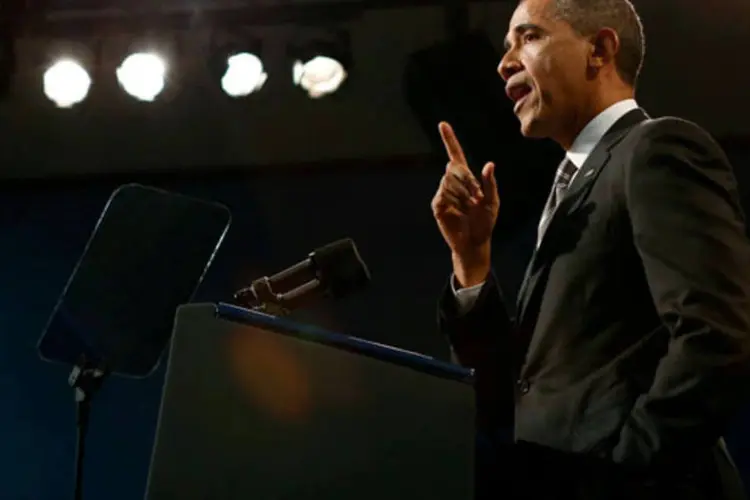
{"points": [[591, 110]]}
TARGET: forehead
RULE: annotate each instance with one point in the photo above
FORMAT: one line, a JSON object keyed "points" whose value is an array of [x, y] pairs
{"points": [[536, 9], [531, 13]]}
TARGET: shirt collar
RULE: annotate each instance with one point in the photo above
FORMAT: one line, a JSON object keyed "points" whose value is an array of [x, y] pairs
{"points": [[593, 132]]}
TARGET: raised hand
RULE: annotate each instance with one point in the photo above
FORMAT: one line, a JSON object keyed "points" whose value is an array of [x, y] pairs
{"points": [[466, 211]]}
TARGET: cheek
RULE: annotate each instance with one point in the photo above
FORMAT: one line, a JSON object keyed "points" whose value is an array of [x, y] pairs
{"points": [[540, 65], [543, 71], [552, 76]]}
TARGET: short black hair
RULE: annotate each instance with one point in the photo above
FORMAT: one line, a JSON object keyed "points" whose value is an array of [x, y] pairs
{"points": [[586, 17]]}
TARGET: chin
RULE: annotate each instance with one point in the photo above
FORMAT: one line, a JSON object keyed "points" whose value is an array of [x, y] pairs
{"points": [[535, 120], [531, 128]]}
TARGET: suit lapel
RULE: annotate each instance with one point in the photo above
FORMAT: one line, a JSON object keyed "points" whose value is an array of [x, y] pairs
{"points": [[570, 202]]}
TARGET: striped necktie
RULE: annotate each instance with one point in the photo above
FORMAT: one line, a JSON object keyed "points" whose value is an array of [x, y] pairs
{"points": [[564, 175]]}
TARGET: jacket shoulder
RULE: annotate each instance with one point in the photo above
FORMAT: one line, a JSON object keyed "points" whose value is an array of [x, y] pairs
{"points": [[671, 128]]}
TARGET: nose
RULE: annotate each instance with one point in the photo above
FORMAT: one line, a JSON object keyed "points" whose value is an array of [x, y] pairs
{"points": [[509, 66]]}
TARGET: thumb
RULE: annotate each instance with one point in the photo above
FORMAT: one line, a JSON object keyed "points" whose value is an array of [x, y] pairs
{"points": [[489, 183]]}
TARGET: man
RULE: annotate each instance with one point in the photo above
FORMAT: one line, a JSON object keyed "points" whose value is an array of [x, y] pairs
{"points": [[631, 340]]}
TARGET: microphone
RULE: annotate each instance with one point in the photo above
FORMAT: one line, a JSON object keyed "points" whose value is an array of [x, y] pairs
{"points": [[334, 270]]}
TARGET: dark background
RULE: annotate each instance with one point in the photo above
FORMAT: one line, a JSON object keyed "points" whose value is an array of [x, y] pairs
{"points": [[278, 218], [303, 173]]}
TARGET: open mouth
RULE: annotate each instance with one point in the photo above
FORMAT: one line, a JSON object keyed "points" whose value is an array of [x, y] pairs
{"points": [[518, 93]]}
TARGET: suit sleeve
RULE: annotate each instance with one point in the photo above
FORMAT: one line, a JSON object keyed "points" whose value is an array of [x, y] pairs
{"points": [[482, 340], [689, 231]]}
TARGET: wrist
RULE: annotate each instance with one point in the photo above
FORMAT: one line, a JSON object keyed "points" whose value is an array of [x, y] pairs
{"points": [[472, 267]]}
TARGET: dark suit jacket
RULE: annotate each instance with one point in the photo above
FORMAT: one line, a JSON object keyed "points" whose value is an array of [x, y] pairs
{"points": [[631, 343]]}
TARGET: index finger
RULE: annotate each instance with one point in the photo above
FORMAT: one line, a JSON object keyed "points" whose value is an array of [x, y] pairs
{"points": [[452, 146]]}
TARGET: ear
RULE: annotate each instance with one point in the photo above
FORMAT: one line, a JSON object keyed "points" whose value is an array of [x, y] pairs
{"points": [[605, 45]]}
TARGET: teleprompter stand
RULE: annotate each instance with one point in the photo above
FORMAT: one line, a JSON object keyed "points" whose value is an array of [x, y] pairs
{"points": [[146, 256], [85, 381]]}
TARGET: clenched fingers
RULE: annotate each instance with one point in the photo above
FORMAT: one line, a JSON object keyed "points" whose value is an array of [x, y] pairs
{"points": [[453, 193], [457, 174]]}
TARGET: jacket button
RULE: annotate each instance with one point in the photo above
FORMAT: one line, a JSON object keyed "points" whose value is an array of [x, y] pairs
{"points": [[523, 386]]}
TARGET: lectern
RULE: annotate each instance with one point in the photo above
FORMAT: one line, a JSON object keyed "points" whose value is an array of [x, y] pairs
{"points": [[260, 407]]}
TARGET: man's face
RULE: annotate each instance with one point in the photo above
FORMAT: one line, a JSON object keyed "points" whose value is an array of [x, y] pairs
{"points": [[545, 68]]}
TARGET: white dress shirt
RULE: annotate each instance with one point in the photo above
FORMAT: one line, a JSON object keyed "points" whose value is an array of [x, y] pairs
{"points": [[578, 153]]}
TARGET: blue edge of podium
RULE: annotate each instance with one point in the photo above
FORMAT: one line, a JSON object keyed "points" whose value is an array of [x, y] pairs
{"points": [[390, 354]]}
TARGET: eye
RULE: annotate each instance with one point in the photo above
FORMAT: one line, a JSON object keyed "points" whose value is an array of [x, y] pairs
{"points": [[530, 37]]}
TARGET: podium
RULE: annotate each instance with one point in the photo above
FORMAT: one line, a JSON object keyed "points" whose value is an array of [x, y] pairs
{"points": [[260, 407]]}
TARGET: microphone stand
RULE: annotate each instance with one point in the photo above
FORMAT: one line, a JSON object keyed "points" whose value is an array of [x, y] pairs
{"points": [[335, 270], [277, 304], [85, 379]]}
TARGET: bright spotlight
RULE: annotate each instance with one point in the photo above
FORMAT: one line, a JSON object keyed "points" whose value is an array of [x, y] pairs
{"points": [[142, 75], [66, 83], [319, 76], [244, 75]]}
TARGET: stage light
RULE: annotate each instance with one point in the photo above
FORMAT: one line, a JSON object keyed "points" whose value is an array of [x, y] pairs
{"points": [[143, 75], [319, 76], [235, 61], [66, 83], [244, 75], [321, 65]]}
